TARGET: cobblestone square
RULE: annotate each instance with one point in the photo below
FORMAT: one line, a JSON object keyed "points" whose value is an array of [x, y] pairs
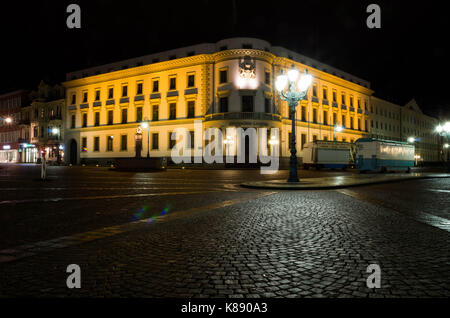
{"points": [[197, 233]]}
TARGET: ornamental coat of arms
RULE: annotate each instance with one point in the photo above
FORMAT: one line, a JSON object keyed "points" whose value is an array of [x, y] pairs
{"points": [[247, 67]]}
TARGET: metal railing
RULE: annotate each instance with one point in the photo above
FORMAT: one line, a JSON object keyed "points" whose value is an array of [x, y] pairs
{"points": [[242, 116]]}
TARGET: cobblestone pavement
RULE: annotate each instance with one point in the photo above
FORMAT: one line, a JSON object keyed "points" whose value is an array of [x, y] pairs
{"points": [[193, 233]]}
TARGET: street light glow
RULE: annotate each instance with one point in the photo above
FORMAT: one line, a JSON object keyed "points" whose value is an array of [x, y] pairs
{"points": [[304, 82], [8, 120], [273, 140], [446, 127], [292, 74], [281, 82], [446, 146], [339, 128], [411, 139], [55, 131], [144, 125]]}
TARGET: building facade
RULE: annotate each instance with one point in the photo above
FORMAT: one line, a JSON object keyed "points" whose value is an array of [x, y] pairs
{"points": [[10, 125], [43, 124], [402, 123], [225, 84]]}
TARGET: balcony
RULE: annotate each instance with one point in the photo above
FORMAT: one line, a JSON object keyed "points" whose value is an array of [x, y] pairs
{"points": [[243, 116]]}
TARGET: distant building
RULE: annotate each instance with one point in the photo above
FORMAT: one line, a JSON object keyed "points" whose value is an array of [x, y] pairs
{"points": [[394, 122], [43, 129], [10, 129]]}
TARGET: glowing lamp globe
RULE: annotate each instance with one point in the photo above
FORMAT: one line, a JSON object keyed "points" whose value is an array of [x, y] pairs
{"points": [[292, 74], [281, 82], [304, 82]]}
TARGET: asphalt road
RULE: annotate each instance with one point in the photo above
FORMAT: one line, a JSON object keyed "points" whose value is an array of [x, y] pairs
{"points": [[197, 233]]}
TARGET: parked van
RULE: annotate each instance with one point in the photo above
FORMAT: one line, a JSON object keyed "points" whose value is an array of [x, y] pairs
{"points": [[383, 155], [327, 154]]}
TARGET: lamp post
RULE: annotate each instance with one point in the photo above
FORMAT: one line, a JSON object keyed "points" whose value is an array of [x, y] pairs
{"points": [[144, 125], [444, 131], [294, 92]]}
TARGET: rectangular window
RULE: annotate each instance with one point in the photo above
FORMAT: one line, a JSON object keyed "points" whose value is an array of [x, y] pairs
{"points": [[155, 141], [72, 123], [314, 137], [97, 119], [74, 99], [325, 118], [109, 143], [155, 113], [124, 116], [247, 103], [359, 124], [172, 111], [110, 117], [314, 115], [172, 83], [110, 93], [302, 141], [343, 120], [84, 124], [97, 95], [343, 99], [223, 102], [172, 142], [267, 78], [314, 92], [84, 144], [85, 96], [191, 139], [191, 109], [191, 80], [334, 118], [223, 76], [139, 89], [334, 97], [139, 114], [155, 86], [351, 123], [267, 105], [123, 142], [325, 94], [303, 114], [351, 101], [124, 91], [96, 143]]}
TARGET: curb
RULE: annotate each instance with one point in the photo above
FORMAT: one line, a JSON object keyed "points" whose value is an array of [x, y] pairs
{"points": [[262, 185]]}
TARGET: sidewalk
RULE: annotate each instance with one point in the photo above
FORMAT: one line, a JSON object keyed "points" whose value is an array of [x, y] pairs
{"points": [[337, 182]]}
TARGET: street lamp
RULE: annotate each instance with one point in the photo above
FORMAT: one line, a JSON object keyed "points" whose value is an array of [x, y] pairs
{"points": [[8, 120], [294, 92], [411, 140], [145, 125], [444, 131]]}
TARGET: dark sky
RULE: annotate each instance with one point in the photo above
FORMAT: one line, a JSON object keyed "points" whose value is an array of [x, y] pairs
{"points": [[407, 58]]}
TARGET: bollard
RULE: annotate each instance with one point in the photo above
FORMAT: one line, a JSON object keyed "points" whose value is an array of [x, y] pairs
{"points": [[43, 169]]}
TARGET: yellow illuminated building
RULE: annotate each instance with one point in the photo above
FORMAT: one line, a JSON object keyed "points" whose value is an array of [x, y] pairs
{"points": [[225, 84]]}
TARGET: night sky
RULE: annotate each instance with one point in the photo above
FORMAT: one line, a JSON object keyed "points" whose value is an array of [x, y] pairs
{"points": [[407, 58]]}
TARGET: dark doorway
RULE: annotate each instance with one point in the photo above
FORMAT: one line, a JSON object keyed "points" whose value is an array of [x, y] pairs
{"points": [[73, 152]]}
